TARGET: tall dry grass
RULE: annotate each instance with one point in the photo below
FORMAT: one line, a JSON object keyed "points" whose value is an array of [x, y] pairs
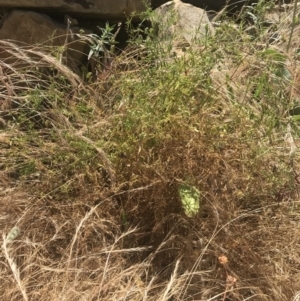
{"points": [[90, 173]]}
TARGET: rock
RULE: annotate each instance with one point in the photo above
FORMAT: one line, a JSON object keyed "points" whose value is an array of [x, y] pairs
{"points": [[68, 20], [189, 24], [217, 5], [31, 28], [108, 9]]}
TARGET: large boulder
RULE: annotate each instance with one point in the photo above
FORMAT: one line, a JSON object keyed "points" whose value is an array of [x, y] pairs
{"points": [[27, 28], [181, 24], [217, 5], [108, 9]]}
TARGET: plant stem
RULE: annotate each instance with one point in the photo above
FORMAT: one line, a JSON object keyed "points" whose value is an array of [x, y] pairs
{"points": [[293, 25]]}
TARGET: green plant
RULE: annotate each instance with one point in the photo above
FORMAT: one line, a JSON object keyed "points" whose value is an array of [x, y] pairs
{"points": [[102, 48], [176, 176], [99, 45], [190, 198]]}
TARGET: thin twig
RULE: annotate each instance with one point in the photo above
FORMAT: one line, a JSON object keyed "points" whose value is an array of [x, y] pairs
{"points": [[293, 25]]}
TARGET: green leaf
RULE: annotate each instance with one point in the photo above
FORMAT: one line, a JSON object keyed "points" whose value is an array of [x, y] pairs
{"points": [[296, 117], [13, 234], [274, 55], [190, 199]]}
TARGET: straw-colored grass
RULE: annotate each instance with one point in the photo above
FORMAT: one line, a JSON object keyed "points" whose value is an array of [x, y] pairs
{"points": [[90, 173]]}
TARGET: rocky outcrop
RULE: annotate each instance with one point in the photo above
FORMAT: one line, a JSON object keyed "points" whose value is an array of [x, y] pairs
{"points": [[33, 22], [30, 28], [181, 23], [108, 9], [36, 22], [219, 4], [27, 28], [216, 5]]}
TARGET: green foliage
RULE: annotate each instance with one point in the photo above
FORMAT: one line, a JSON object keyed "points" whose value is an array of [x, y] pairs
{"points": [[100, 44], [190, 143], [178, 115], [13, 234], [190, 199]]}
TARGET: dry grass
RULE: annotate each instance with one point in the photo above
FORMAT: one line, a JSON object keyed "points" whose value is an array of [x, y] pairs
{"points": [[90, 175]]}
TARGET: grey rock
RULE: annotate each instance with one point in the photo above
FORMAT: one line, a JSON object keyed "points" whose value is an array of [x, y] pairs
{"points": [[182, 22], [217, 5], [118, 9], [179, 26], [27, 28]]}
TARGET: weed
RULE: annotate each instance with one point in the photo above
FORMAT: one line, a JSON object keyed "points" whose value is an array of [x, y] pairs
{"points": [[174, 175]]}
